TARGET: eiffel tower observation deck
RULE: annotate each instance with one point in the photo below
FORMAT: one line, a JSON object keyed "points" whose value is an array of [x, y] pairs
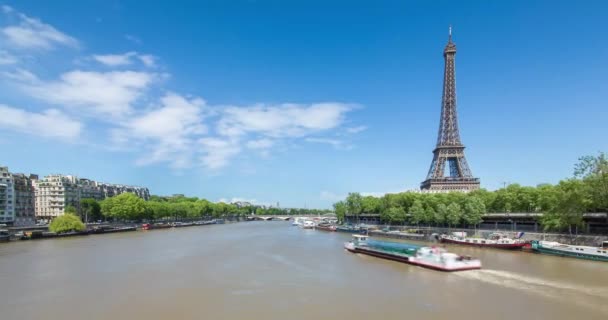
{"points": [[449, 147]]}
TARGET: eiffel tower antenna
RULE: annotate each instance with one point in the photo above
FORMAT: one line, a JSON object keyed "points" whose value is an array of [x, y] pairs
{"points": [[449, 148]]}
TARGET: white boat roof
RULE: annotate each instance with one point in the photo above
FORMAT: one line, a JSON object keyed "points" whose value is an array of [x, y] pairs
{"points": [[359, 236]]}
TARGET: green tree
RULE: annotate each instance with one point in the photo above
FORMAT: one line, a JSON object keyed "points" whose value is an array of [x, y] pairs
{"points": [[354, 204], [70, 209], [573, 200], [417, 212], [593, 170], [396, 215], [473, 212], [66, 223], [90, 210], [125, 206], [340, 210], [440, 214], [453, 214]]}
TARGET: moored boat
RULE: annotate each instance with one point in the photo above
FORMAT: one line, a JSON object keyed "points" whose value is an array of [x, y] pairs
{"points": [[495, 240], [427, 257], [307, 224], [151, 226], [352, 229], [326, 227], [566, 250], [4, 236]]}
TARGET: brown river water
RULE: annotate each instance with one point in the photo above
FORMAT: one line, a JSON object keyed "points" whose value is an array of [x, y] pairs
{"points": [[271, 270]]}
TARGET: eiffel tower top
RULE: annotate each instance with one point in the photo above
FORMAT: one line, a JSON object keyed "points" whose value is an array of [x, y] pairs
{"points": [[449, 135], [451, 46]]}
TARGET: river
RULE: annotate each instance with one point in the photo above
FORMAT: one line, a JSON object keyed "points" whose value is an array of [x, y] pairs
{"points": [[270, 270]]}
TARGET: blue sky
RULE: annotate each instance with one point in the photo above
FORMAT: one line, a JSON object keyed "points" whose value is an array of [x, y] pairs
{"points": [[297, 102]]}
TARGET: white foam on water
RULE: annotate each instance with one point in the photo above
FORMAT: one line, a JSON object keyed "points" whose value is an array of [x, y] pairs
{"points": [[588, 297]]}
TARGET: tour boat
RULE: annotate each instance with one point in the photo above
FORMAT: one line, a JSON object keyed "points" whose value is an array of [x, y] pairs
{"points": [[325, 227], [495, 240], [427, 257], [565, 250]]}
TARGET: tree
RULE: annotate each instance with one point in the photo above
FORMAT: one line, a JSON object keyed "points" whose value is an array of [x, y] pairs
{"points": [[396, 215], [90, 209], [573, 200], [340, 210], [66, 223], [474, 209], [125, 206], [594, 172], [354, 204], [440, 214], [70, 209], [429, 215], [453, 214], [417, 212]]}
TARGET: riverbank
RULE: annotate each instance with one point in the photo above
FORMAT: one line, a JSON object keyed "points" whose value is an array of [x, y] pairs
{"points": [[426, 234], [42, 232]]}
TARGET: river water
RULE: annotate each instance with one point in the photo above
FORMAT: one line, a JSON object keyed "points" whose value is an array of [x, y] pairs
{"points": [[270, 270]]}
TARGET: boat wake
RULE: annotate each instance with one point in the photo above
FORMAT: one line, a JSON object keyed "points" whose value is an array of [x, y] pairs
{"points": [[593, 297]]}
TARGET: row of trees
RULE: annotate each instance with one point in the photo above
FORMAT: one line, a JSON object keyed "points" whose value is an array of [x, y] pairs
{"points": [[562, 204], [128, 206]]}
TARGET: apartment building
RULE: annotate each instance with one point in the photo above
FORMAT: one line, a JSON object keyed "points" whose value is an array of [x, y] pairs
{"points": [[7, 197], [25, 199], [54, 193]]}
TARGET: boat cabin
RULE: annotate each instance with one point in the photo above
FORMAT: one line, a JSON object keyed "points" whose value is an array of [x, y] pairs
{"points": [[359, 239], [605, 245]]}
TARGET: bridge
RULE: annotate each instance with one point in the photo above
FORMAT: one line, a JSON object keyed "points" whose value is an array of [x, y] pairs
{"points": [[287, 218]]}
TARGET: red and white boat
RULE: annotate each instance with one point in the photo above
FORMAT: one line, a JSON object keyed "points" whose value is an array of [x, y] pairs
{"points": [[495, 240]]}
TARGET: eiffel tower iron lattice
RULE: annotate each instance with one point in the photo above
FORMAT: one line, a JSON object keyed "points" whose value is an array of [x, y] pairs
{"points": [[449, 148]]}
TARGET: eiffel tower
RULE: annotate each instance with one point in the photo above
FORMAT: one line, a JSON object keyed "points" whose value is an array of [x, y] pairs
{"points": [[449, 148]]}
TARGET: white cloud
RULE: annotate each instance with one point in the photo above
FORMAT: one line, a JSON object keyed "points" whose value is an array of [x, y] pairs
{"points": [[338, 144], [357, 129], [217, 152], [51, 123], [104, 93], [148, 60], [116, 60], [7, 58], [133, 39], [21, 75], [286, 120], [167, 133], [260, 144], [31, 33]]}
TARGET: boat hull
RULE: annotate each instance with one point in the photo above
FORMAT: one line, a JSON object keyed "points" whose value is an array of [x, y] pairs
{"points": [[506, 246], [560, 253], [408, 260]]}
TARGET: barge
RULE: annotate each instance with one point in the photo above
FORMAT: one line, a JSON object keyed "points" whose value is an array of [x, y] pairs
{"points": [[495, 240], [434, 258], [566, 250]]}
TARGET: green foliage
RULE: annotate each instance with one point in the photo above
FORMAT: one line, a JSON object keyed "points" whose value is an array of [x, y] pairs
{"points": [[474, 209], [417, 212], [70, 209], [453, 214], [66, 223], [90, 210], [395, 215], [354, 204], [340, 210], [125, 206]]}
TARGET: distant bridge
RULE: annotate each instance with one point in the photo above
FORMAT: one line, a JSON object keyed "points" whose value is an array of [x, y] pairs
{"points": [[287, 218]]}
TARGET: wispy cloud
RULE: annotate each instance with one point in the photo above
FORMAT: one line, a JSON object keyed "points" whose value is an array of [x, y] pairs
{"points": [[336, 143], [357, 129], [103, 93], [31, 33], [134, 39], [7, 58], [125, 59], [50, 123]]}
